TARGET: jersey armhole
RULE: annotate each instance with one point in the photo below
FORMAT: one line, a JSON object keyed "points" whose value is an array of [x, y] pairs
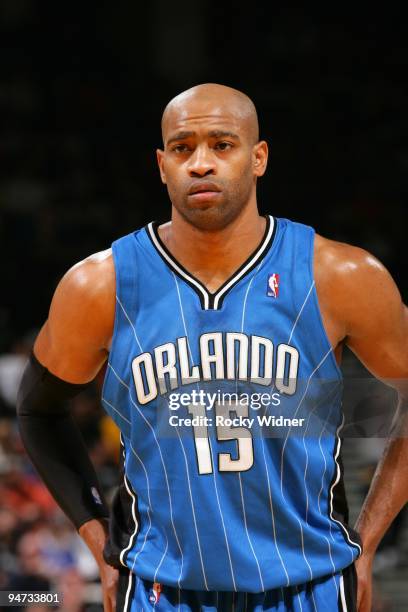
{"points": [[115, 321], [315, 299]]}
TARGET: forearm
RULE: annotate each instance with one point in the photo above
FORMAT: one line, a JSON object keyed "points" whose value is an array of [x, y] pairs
{"points": [[95, 533], [389, 487], [55, 445], [56, 448]]}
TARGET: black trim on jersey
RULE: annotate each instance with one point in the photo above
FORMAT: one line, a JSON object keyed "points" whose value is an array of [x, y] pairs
{"points": [[209, 300], [121, 523], [350, 590], [340, 505], [123, 584], [339, 509]]}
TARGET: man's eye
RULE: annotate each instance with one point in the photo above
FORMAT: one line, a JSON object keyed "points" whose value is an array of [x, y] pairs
{"points": [[180, 148], [223, 146]]}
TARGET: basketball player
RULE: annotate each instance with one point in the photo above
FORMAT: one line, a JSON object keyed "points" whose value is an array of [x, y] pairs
{"points": [[219, 516]]}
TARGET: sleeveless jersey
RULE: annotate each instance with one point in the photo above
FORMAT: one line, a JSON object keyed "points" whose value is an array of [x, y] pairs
{"points": [[229, 407]]}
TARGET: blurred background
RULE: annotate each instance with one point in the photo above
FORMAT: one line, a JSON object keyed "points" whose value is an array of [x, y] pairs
{"points": [[81, 96]]}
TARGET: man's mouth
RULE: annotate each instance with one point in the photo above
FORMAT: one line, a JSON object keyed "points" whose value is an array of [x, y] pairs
{"points": [[203, 191]]}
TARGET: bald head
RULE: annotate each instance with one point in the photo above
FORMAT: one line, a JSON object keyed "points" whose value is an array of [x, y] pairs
{"points": [[211, 99], [212, 156]]}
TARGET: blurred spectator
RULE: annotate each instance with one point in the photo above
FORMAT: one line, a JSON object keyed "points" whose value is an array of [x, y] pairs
{"points": [[72, 588], [11, 370]]}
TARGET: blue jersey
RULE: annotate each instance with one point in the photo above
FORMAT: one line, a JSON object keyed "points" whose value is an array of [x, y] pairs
{"points": [[229, 406]]}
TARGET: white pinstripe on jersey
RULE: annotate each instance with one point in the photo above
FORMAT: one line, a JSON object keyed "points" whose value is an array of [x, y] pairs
{"points": [[247, 533], [149, 509], [222, 518], [162, 462], [272, 511], [284, 447], [130, 322], [297, 410], [154, 435], [239, 474], [263, 447], [300, 312], [116, 410]]}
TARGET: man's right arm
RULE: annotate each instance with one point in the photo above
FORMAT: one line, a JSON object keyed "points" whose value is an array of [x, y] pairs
{"points": [[68, 353], [73, 343]]}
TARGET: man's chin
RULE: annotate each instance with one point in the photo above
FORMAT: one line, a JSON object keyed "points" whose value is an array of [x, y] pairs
{"points": [[208, 216]]}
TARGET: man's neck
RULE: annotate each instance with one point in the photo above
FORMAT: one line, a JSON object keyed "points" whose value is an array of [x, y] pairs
{"points": [[212, 257]]}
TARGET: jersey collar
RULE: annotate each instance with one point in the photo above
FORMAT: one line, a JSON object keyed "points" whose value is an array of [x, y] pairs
{"points": [[209, 300]]}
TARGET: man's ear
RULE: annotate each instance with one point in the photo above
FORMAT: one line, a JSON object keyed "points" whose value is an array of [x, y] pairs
{"points": [[260, 157], [160, 161]]}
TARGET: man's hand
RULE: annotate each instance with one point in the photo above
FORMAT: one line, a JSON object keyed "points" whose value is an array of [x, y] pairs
{"points": [[95, 533], [109, 580], [364, 582]]}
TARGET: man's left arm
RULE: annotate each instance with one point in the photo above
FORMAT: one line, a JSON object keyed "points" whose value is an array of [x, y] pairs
{"points": [[376, 330]]}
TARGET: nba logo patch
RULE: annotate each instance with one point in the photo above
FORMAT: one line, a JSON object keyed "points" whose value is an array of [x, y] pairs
{"points": [[95, 495], [272, 289], [154, 593]]}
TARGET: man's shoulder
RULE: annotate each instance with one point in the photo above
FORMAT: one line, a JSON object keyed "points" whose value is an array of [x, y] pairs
{"points": [[340, 259], [92, 277], [349, 277], [343, 259], [95, 275]]}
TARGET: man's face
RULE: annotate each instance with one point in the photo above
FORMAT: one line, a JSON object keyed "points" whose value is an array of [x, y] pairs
{"points": [[210, 162]]}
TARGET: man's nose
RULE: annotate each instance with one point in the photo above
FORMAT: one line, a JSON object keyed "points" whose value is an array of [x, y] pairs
{"points": [[202, 162]]}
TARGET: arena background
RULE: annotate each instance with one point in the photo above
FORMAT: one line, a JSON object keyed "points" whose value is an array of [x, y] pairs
{"points": [[81, 95]]}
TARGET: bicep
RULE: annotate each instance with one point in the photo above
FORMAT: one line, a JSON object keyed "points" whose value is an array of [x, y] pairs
{"points": [[377, 323], [72, 343]]}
